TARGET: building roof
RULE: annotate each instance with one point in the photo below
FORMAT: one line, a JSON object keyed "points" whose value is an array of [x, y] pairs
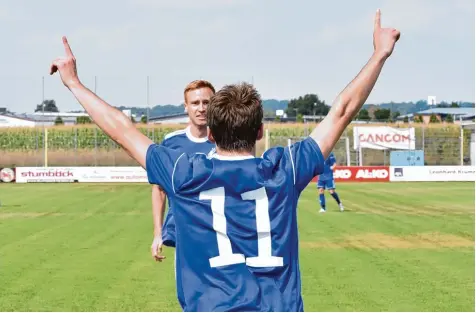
{"points": [[18, 117], [458, 112], [166, 117], [448, 111], [44, 119]]}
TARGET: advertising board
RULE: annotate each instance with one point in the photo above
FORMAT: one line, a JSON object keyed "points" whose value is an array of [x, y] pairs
{"points": [[361, 174], [432, 173]]}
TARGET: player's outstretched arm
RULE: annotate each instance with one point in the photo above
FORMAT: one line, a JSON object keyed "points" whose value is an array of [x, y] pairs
{"points": [[112, 121], [158, 210], [351, 99]]}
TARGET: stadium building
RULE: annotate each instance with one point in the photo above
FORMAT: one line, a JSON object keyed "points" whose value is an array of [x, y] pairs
{"points": [[458, 114]]}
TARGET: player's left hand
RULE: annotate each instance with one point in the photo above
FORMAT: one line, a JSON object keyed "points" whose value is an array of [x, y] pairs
{"points": [[66, 66], [156, 249], [384, 38]]}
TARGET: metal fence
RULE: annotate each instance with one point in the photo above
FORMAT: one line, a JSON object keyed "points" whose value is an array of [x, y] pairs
{"points": [[441, 145], [89, 146]]}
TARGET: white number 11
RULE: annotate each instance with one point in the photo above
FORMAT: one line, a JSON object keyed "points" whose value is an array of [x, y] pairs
{"points": [[263, 226]]}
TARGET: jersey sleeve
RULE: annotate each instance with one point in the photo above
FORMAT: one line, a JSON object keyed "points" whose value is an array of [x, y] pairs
{"points": [[161, 164], [307, 162]]}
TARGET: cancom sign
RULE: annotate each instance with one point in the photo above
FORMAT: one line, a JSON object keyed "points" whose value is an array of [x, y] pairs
{"points": [[382, 138], [361, 174]]}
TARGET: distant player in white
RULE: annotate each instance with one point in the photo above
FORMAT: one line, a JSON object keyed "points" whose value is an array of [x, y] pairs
{"points": [[193, 139]]}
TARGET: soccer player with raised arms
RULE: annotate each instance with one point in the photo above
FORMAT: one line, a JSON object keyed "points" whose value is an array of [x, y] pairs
{"points": [[235, 214]]}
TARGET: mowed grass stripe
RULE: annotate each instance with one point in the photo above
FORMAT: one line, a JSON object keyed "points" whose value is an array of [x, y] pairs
{"points": [[376, 280], [385, 253], [409, 219]]}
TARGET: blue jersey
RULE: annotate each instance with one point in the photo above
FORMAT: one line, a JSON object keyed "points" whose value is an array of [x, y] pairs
{"points": [[328, 174], [183, 141], [236, 225]]}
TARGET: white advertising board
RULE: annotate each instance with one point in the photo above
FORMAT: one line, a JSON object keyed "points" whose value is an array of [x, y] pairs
{"points": [[100, 174], [432, 173]]}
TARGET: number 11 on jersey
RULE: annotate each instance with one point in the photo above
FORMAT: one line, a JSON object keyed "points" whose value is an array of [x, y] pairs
{"points": [[263, 226]]}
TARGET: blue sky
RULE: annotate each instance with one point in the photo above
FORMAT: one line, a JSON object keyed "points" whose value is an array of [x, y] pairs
{"points": [[288, 48]]}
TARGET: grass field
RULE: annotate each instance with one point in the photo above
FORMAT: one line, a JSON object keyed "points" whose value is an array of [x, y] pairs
{"points": [[398, 247]]}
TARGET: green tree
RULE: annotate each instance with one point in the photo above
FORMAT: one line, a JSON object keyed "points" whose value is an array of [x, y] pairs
{"points": [[405, 119], [83, 120], [418, 119], [363, 115], [143, 119], [309, 104], [382, 114], [395, 115], [48, 105], [454, 105], [299, 118], [59, 121], [433, 118], [449, 118]]}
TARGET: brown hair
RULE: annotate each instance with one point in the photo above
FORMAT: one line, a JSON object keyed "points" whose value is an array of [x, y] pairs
{"points": [[197, 84], [234, 116]]}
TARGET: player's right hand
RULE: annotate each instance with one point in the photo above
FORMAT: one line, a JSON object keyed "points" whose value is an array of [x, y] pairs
{"points": [[66, 66], [156, 249], [384, 38]]}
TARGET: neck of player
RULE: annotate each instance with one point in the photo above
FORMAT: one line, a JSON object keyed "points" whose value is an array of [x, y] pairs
{"points": [[235, 153], [198, 131]]}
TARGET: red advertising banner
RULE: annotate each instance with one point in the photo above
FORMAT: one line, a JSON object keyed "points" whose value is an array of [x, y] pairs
{"points": [[361, 174]]}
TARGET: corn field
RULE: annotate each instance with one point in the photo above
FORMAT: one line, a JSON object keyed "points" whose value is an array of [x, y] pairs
{"points": [[88, 145]]}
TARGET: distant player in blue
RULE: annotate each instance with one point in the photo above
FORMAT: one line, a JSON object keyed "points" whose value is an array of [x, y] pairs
{"points": [[326, 181], [193, 139], [237, 240]]}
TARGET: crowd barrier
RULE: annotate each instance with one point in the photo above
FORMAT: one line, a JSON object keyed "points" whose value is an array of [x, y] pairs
{"points": [[133, 174]]}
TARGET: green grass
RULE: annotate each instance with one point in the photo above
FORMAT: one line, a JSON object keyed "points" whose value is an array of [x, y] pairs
{"points": [[397, 247]]}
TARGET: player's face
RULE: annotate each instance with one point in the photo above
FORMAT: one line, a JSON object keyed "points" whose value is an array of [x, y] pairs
{"points": [[196, 104]]}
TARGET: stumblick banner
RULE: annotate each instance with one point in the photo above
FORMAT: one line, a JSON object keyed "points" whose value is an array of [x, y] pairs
{"points": [[384, 137]]}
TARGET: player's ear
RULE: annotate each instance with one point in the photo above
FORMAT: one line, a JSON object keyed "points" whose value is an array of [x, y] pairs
{"points": [[210, 136], [260, 132]]}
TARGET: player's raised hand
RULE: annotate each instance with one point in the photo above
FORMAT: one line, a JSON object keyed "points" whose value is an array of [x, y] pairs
{"points": [[384, 38], [156, 248], [66, 66]]}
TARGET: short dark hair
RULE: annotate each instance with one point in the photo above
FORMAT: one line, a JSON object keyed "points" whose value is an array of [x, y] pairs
{"points": [[234, 116]]}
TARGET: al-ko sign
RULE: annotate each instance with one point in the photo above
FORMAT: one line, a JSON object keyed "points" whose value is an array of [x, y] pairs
{"points": [[384, 137], [361, 174]]}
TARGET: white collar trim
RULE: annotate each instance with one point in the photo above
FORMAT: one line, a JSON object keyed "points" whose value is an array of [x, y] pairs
{"points": [[193, 138], [231, 157]]}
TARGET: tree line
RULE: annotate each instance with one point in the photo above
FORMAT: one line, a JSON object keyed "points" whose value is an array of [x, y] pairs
{"points": [[309, 104]]}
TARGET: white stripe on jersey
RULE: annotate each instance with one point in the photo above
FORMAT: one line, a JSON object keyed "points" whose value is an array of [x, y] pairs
{"points": [[173, 172], [175, 133], [292, 163]]}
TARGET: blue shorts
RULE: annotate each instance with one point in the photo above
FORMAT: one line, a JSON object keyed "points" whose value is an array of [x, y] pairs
{"points": [[326, 184]]}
